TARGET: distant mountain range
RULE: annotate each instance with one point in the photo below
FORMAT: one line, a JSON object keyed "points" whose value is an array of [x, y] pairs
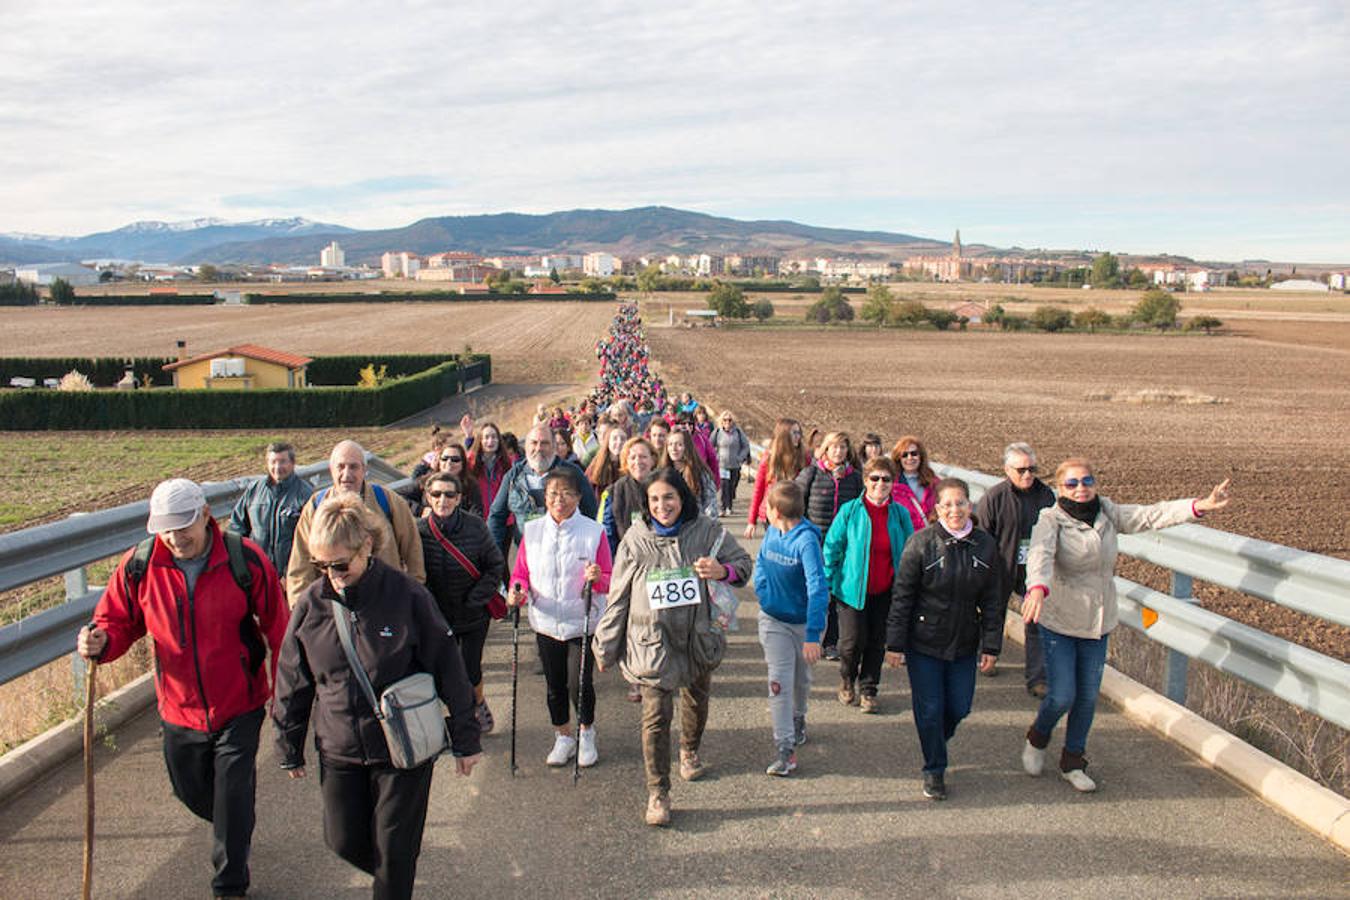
{"points": [[647, 230]]}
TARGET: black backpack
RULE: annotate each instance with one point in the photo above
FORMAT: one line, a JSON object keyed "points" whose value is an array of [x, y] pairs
{"points": [[243, 576]]}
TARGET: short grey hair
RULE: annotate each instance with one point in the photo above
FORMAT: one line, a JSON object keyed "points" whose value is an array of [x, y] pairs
{"points": [[1018, 449]]}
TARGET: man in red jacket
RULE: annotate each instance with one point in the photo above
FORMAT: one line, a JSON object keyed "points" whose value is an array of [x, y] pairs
{"points": [[213, 610]]}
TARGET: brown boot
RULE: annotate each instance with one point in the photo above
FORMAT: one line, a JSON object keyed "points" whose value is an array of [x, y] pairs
{"points": [[658, 810], [848, 694], [691, 767]]}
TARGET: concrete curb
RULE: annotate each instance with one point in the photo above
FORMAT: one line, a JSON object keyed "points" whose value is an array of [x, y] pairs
{"points": [[25, 765], [1321, 811]]}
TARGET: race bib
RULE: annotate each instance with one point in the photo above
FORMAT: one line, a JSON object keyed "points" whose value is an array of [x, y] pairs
{"points": [[668, 588], [1023, 548]]}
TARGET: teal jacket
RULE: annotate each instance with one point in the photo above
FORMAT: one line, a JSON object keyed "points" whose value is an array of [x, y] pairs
{"points": [[848, 549]]}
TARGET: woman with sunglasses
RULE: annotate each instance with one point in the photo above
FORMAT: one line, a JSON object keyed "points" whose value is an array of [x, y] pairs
{"points": [[862, 553], [733, 451], [1071, 595], [462, 579], [913, 486], [947, 609], [373, 812], [828, 483]]}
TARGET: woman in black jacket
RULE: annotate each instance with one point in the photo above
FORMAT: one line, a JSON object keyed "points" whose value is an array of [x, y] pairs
{"points": [[461, 594], [373, 812], [831, 480], [947, 606]]}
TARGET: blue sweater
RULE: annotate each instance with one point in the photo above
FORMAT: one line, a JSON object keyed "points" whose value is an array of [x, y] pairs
{"points": [[790, 578]]}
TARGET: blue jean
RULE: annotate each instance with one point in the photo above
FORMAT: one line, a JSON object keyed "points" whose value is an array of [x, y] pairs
{"points": [[1073, 668], [941, 692]]}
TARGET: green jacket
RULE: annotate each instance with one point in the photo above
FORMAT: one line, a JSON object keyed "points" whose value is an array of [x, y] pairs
{"points": [[848, 549]]}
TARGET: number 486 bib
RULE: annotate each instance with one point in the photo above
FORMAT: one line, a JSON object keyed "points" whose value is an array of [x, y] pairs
{"points": [[667, 588]]}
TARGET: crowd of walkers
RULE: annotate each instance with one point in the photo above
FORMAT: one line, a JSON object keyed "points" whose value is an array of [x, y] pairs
{"points": [[605, 525]]}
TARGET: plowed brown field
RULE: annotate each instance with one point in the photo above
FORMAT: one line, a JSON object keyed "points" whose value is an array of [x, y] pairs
{"points": [[1279, 430]]}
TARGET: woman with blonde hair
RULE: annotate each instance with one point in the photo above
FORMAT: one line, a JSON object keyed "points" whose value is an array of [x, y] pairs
{"points": [[1071, 595], [373, 812], [733, 451], [783, 460]]}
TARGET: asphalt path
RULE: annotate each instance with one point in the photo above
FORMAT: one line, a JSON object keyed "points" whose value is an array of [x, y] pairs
{"points": [[851, 821]]}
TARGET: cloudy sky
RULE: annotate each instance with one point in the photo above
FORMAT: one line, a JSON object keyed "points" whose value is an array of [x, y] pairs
{"points": [[1216, 129]]}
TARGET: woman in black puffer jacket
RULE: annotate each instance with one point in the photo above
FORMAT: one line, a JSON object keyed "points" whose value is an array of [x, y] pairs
{"points": [[831, 480], [462, 598], [947, 607]]}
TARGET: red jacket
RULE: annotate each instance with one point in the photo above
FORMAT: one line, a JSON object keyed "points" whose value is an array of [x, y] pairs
{"points": [[202, 673]]}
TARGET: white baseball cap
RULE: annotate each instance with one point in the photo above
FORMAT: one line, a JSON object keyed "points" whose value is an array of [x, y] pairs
{"points": [[175, 504]]}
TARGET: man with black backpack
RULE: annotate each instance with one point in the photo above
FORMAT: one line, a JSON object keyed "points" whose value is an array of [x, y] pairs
{"points": [[402, 545], [212, 602]]}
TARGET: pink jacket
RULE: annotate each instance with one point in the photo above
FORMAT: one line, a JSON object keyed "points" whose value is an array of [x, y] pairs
{"points": [[918, 511]]}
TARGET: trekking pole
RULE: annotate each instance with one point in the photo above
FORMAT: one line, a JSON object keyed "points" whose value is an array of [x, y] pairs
{"points": [[90, 693], [515, 672], [581, 675]]}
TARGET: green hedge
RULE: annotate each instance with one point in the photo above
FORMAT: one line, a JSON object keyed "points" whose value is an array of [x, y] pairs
{"points": [[418, 297], [346, 370], [143, 300], [16, 293], [36, 410], [103, 371]]}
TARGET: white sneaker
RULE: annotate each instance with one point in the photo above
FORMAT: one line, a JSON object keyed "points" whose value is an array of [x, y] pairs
{"points": [[564, 748], [1080, 781], [1033, 760], [587, 754]]}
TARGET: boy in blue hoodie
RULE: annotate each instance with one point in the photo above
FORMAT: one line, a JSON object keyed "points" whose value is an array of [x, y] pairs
{"points": [[793, 598]]}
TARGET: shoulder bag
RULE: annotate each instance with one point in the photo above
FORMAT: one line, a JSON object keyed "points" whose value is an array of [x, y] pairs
{"points": [[409, 710], [496, 605]]}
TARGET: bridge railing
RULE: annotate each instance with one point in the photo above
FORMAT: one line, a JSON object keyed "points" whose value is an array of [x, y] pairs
{"points": [[67, 546], [1296, 579]]}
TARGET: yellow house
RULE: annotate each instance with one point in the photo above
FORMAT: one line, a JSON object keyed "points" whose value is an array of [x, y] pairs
{"points": [[243, 366]]}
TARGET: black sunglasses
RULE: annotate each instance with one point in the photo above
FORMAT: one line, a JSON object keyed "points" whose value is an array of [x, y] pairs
{"points": [[340, 567], [879, 478], [452, 459], [436, 495], [911, 453], [1022, 470]]}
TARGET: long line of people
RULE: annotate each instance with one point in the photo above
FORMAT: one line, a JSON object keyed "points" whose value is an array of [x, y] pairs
{"points": [[868, 559]]}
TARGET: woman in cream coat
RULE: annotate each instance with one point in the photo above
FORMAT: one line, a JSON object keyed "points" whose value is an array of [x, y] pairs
{"points": [[1071, 595]]}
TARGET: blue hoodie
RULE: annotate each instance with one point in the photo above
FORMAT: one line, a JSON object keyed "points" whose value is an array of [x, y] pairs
{"points": [[790, 578]]}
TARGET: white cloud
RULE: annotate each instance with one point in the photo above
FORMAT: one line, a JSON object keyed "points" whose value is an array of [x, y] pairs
{"points": [[136, 109]]}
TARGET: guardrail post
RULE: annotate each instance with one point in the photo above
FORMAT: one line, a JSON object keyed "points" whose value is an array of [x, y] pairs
{"points": [[1174, 676], [77, 585]]}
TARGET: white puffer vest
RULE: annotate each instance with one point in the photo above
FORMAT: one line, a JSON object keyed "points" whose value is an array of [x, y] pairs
{"points": [[558, 555]]}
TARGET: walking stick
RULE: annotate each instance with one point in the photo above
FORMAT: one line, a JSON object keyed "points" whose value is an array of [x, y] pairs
{"points": [[90, 692], [581, 676], [515, 672]]}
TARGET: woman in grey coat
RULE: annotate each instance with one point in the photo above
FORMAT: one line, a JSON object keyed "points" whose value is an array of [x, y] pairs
{"points": [[1071, 595], [733, 451], [665, 622]]}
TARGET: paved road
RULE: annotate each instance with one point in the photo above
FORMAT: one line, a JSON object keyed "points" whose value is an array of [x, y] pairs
{"points": [[851, 822]]}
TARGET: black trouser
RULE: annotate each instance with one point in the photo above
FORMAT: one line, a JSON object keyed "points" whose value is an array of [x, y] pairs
{"points": [[215, 775], [729, 487], [471, 649], [831, 636], [561, 662], [862, 641], [373, 818]]}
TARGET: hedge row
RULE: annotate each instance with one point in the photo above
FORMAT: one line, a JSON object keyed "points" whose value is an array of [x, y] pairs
{"points": [[143, 300], [346, 370], [304, 408], [419, 297], [103, 371]]}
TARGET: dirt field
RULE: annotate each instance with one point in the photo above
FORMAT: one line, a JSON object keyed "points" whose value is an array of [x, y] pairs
{"points": [[529, 341], [1279, 430]]}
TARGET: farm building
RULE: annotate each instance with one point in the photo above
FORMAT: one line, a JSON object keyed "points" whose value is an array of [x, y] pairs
{"points": [[972, 311], [242, 366], [1299, 284], [43, 275]]}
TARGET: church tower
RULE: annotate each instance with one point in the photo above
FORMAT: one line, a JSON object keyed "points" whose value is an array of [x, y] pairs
{"points": [[956, 245]]}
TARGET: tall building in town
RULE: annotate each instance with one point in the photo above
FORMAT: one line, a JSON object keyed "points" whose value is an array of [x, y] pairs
{"points": [[332, 257]]}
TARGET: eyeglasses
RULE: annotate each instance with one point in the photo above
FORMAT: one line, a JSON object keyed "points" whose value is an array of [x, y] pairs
{"points": [[339, 566], [452, 459], [875, 479], [1023, 470], [436, 495], [1085, 481], [914, 453], [561, 495]]}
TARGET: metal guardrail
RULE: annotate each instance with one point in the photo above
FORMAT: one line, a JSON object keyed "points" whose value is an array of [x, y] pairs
{"points": [[1307, 582], [66, 547]]}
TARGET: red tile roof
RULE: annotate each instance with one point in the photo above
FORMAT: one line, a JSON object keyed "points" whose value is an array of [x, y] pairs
{"points": [[252, 351]]}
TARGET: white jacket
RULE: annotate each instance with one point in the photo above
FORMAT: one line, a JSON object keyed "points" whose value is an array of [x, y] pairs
{"points": [[556, 555]]}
